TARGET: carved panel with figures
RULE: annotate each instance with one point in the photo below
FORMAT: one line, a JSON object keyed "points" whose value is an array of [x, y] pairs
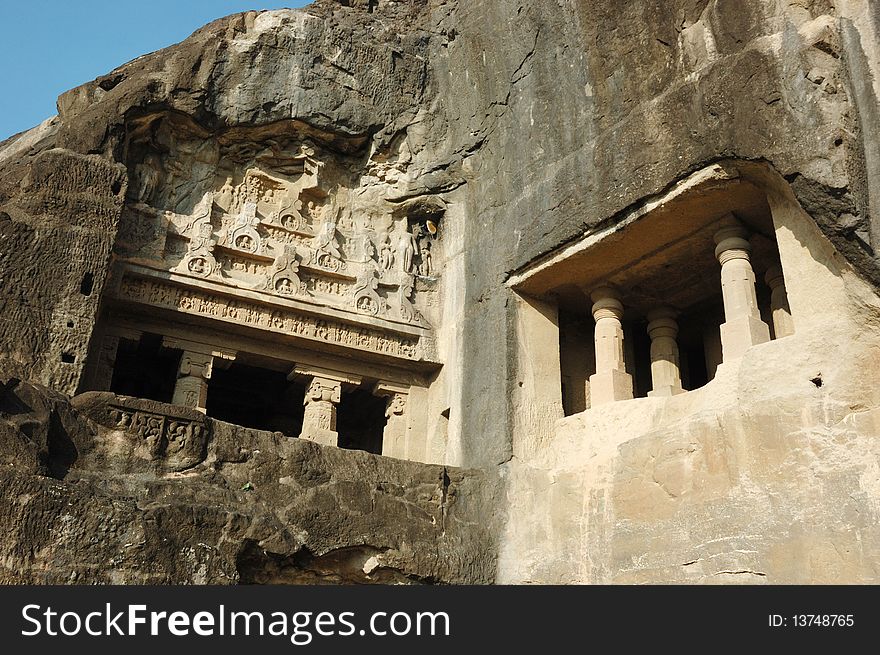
{"points": [[275, 216]]}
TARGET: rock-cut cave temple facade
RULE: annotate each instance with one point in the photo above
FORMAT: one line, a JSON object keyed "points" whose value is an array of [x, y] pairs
{"points": [[423, 291]]}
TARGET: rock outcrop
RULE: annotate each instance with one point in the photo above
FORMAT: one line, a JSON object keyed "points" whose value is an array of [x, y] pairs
{"points": [[111, 489]]}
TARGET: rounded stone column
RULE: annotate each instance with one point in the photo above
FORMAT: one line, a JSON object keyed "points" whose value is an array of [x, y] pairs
{"points": [[610, 382], [665, 366], [783, 324], [742, 327]]}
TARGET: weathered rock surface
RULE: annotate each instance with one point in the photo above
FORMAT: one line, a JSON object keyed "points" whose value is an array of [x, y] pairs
{"points": [[90, 502], [531, 123]]}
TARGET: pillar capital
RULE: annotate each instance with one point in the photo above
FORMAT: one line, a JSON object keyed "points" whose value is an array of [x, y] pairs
{"points": [[606, 303], [662, 322], [773, 277], [732, 240], [323, 390]]}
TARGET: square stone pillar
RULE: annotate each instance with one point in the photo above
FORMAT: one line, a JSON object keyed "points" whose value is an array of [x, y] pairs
{"points": [[196, 366], [742, 327], [323, 395], [395, 437], [191, 388], [783, 324], [665, 365], [610, 382]]}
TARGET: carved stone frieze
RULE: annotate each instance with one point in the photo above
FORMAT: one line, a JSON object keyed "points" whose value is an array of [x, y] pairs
{"points": [[159, 293], [175, 438]]}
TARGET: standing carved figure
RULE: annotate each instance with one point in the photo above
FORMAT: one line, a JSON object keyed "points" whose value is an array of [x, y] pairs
{"points": [[386, 253], [226, 194], [405, 250], [146, 179], [425, 268]]}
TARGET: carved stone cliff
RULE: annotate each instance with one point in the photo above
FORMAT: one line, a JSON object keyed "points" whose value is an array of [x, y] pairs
{"points": [[362, 192]]}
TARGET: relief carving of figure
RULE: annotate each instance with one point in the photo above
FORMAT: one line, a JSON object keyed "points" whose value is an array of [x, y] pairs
{"points": [[146, 179], [283, 276], [244, 235], [289, 214], [199, 259], [405, 250], [362, 249], [326, 247], [425, 267], [365, 293], [226, 194], [386, 253]]}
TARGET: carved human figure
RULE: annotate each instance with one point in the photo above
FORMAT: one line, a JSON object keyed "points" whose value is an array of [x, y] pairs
{"points": [[386, 253], [283, 276], [362, 249], [146, 178], [199, 258], [426, 266], [405, 250], [365, 292], [325, 241], [225, 195]]}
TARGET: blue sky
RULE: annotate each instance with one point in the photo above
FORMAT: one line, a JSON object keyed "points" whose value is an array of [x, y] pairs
{"points": [[50, 46]]}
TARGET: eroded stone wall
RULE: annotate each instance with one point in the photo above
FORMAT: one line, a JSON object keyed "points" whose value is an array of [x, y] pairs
{"points": [[127, 491]]}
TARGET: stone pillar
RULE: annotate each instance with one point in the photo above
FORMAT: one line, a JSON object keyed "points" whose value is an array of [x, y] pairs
{"points": [[319, 420], [610, 382], [742, 327], [197, 363], [191, 388], [323, 395], [665, 366], [783, 325], [394, 438]]}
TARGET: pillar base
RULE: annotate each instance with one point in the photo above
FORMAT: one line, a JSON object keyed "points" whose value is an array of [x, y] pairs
{"points": [[323, 437], [609, 386], [742, 333], [666, 390], [394, 442]]}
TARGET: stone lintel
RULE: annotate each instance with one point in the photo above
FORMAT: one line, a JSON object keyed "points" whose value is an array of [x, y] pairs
{"points": [[325, 374], [198, 347], [123, 332], [384, 388]]}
